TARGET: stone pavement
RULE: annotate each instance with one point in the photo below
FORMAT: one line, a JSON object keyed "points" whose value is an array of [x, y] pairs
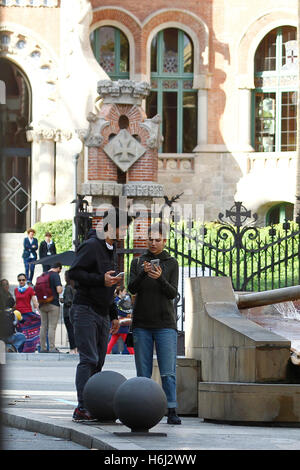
{"points": [[38, 394]]}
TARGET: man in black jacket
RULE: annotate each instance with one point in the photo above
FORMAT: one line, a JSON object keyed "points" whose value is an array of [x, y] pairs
{"points": [[94, 273]]}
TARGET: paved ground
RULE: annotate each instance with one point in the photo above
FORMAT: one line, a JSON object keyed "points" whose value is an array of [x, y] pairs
{"points": [[19, 439], [39, 396]]}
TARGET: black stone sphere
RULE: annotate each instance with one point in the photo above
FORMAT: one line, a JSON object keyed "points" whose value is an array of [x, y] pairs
{"points": [[140, 403], [99, 392]]}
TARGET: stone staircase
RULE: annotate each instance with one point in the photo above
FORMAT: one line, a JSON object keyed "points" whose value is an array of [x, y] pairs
{"points": [[11, 257]]}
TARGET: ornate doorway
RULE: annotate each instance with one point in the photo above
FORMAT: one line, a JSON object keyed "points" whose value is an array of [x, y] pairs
{"points": [[15, 150]]}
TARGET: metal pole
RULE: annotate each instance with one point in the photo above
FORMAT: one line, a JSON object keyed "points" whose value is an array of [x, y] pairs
{"points": [[258, 299], [75, 161]]}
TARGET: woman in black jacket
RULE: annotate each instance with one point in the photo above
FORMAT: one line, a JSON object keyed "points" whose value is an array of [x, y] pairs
{"points": [[47, 248], [154, 320]]}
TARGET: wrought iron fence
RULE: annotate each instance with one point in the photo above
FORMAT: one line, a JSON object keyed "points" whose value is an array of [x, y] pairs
{"points": [[254, 258]]}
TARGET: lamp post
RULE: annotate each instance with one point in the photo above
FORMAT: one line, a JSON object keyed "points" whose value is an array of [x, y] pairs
{"points": [[76, 148], [75, 161]]}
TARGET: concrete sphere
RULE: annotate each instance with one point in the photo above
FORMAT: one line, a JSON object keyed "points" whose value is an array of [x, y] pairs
{"points": [[140, 403], [99, 392]]}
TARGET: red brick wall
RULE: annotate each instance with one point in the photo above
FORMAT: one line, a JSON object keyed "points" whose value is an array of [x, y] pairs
{"points": [[101, 167]]}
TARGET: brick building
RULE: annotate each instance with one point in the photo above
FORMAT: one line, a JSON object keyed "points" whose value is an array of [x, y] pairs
{"points": [[222, 76]]}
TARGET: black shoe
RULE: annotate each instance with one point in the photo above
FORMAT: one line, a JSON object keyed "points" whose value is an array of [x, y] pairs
{"points": [[172, 417], [81, 415]]}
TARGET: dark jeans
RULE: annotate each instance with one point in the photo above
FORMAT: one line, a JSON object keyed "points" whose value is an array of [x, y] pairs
{"points": [[70, 331], [29, 269], [91, 333]]}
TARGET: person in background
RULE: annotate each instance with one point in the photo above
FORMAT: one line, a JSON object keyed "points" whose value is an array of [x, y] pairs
{"points": [[13, 339], [154, 318], [47, 248], [50, 311], [124, 306], [30, 323], [6, 295], [30, 245], [67, 301]]}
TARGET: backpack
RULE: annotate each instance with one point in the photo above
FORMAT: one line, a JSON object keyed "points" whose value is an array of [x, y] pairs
{"points": [[125, 304], [43, 288]]}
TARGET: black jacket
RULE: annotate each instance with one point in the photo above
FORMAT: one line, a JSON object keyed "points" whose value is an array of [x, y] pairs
{"points": [[43, 250], [154, 302], [93, 260]]}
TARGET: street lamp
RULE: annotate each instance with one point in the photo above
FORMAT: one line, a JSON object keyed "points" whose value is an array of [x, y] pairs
{"points": [[76, 148]]}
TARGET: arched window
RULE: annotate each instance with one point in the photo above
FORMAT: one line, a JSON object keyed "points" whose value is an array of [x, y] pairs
{"points": [[172, 95], [275, 94], [279, 213], [111, 49], [15, 152]]}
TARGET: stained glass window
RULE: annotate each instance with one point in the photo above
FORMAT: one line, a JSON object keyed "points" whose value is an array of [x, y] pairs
{"points": [[275, 95], [172, 94], [111, 49]]}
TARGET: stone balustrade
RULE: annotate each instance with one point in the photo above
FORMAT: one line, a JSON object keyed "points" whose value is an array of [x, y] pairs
{"points": [[176, 162], [267, 160], [29, 3]]}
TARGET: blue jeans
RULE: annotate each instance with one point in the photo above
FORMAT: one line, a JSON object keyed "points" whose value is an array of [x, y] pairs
{"points": [[29, 268], [165, 340], [17, 340]]}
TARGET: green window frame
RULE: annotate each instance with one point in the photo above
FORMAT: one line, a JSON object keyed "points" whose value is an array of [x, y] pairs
{"points": [[172, 95], [274, 99], [279, 213], [116, 63]]}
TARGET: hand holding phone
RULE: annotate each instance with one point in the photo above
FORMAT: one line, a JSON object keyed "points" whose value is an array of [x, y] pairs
{"points": [[154, 263], [120, 274], [155, 271]]}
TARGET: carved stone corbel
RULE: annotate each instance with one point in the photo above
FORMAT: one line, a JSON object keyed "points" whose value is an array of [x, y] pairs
{"points": [[155, 138], [93, 137]]}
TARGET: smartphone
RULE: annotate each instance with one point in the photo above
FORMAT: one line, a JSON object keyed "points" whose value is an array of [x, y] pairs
{"points": [[154, 262], [120, 274]]}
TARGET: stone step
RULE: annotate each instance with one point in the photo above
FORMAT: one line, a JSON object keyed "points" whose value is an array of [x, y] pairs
{"points": [[11, 257]]}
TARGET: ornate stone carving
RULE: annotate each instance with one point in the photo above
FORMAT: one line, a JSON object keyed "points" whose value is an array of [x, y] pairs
{"points": [[46, 133], [37, 60], [153, 127], [123, 91], [94, 137], [143, 189], [103, 188], [124, 150]]}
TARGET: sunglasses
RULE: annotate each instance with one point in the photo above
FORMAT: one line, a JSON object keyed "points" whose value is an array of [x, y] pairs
{"points": [[22, 280]]}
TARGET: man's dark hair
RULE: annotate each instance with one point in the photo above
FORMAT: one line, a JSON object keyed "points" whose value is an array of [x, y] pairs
{"points": [[57, 265], [116, 217]]}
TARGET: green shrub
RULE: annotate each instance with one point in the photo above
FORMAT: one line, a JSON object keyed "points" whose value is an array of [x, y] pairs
{"points": [[61, 231]]}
